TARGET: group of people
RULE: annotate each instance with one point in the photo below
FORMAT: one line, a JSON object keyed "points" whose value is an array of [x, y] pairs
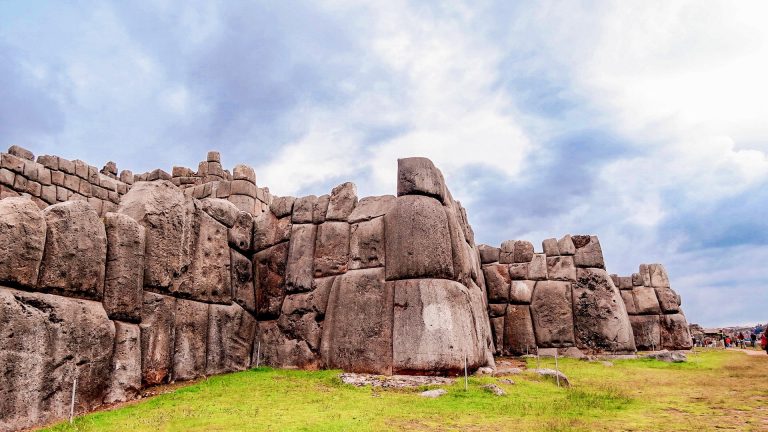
{"points": [[739, 340]]}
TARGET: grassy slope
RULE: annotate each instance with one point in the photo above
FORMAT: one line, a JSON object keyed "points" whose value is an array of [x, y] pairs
{"points": [[714, 389]]}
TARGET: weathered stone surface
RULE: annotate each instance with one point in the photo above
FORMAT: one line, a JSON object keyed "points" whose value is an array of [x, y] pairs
{"points": [[483, 341], [157, 335], [550, 247], [231, 331], [342, 203], [273, 348], [497, 328], [125, 380], [190, 339], [314, 301], [45, 342], [461, 252], [675, 334], [331, 249], [669, 301], [600, 317], [282, 206], [366, 244], [433, 328], [168, 217], [123, 283], [518, 331], [419, 176], [268, 230], [537, 268], [497, 282], [518, 271], [302, 209], [75, 251], [21, 152], [516, 251], [270, 270], [221, 210], [241, 233], [646, 301], [561, 268], [637, 280], [302, 326], [588, 252], [320, 208], [357, 333], [488, 254], [552, 313], [520, 291], [22, 241], [658, 276], [647, 331], [497, 310], [299, 272], [371, 207], [629, 301], [625, 283], [418, 240], [565, 245], [243, 289], [211, 273], [244, 172], [645, 274]]}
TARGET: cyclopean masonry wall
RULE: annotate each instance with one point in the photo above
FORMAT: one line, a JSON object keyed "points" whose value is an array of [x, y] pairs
{"points": [[167, 287], [654, 309], [562, 298]]}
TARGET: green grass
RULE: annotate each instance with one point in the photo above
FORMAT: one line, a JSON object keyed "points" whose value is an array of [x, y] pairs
{"points": [[714, 389]]}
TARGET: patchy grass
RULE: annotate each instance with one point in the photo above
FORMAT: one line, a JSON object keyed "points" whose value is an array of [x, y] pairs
{"points": [[714, 390]]}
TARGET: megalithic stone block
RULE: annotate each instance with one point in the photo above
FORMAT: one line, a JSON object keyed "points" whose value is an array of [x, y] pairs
{"points": [[157, 337], [518, 331], [588, 252], [123, 296], [342, 202], [552, 313], [125, 381], [190, 343], [231, 331], [22, 241], [419, 176]]}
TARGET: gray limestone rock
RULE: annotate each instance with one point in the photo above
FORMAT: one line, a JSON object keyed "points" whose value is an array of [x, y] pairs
{"points": [[488, 254], [552, 313], [22, 241], [299, 271], [565, 245], [646, 302], [371, 207], [419, 176], [270, 270], [658, 276], [497, 282], [125, 380], [282, 206], [124, 279], [366, 244], [320, 208], [211, 274], [537, 268], [231, 331], [629, 301], [331, 249], [675, 334], [268, 230], [190, 339], [561, 268], [240, 235], [647, 331], [221, 210], [303, 208], [550, 247], [343, 202], [243, 289], [668, 300], [157, 335], [521, 291], [588, 252], [519, 338]]}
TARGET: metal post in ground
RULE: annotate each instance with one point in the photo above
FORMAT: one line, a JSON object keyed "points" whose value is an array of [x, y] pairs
{"points": [[557, 370], [72, 403], [537, 357], [258, 353], [466, 385]]}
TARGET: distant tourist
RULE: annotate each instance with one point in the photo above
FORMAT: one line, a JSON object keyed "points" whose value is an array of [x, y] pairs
{"points": [[753, 337]]}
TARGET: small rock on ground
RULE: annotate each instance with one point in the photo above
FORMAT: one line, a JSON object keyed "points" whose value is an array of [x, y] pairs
{"points": [[493, 388], [433, 393], [484, 371], [394, 381], [506, 381], [554, 375], [668, 356]]}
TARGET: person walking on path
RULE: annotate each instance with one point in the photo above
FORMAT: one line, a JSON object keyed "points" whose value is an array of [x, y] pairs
{"points": [[753, 337], [741, 339]]}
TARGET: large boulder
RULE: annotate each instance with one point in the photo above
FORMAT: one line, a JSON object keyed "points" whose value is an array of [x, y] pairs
{"points": [[220, 209], [331, 249], [552, 313], [190, 329], [646, 302], [488, 254], [342, 202], [675, 334], [497, 282], [357, 333], [240, 234], [588, 252], [647, 331], [629, 301], [169, 219], [299, 274], [561, 268], [243, 289], [366, 244], [273, 348], [521, 291], [269, 267], [46, 342], [231, 331], [157, 337], [268, 230], [419, 176], [211, 273], [669, 301], [518, 330], [601, 320], [418, 240], [125, 381], [516, 251], [75, 251], [22, 241], [371, 207], [658, 276], [124, 279]]}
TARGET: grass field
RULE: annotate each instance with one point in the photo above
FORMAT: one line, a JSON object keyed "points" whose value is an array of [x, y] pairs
{"points": [[715, 390]]}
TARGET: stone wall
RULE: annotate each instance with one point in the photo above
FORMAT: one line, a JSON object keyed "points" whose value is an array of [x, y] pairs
{"points": [[654, 309]]}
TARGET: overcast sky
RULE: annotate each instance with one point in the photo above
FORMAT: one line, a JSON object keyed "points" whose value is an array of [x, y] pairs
{"points": [[645, 123]]}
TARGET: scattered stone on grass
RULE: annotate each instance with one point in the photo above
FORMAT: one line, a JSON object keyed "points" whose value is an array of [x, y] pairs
{"points": [[433, 393], [393, 381], [493, 388], [668, 356], [553, 375]]}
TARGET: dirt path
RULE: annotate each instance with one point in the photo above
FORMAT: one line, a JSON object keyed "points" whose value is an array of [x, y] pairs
{"points": [[750, 352]]}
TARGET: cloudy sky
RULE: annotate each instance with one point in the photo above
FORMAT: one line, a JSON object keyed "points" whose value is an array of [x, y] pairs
{"points": [[645, 123]]}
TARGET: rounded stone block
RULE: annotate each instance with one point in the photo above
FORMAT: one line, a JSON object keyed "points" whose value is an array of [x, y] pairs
{"points": [[552, 313], [22, 241]]}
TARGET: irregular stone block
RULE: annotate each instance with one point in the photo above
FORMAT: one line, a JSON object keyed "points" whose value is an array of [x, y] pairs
{"points": [[157, 335], [645, 274], [658, 276], [244, 172], [461, 252], [273, 348], [668, 300], [516, 251], [434, 328], [675, 334], [45, 342], [357, 333], [302, 209], [22, 241], [561, 268], [75, 251], [221, 210], [565, 245], [518, 331], [552, 314], [299, 271], [497, 328], [314, 301], [520, 291], [418, 240], [497, 282], [331, 249], [125, 381], [646, 301], [588, 252], [302, 327], [269, 230], [342, 203], [366, 244], [190, 339], [124, 279], [419, 176], [231, 331], [211, 273], [282, 206], [497, 310], [243, 202], [600, 317], [371, 207], [243, 290], [320, 208], [21, 152], [629, 301], [537, 268], [518, 271], [550, 247], [488, 254], [625, 282], [647, 331], [270, 268], [168, 217], [241, 233], [637, 279]]}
